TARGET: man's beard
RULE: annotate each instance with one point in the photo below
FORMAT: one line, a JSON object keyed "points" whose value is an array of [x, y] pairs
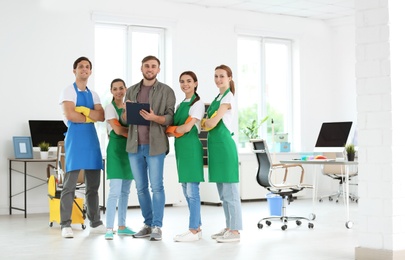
{"points": [[148, 78]]}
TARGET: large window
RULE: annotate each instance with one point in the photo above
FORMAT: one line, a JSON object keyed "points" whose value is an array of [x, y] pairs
{"points": [[264, 86], [119, 50]]}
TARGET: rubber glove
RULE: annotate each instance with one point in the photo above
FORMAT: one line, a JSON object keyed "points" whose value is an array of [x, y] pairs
{"points": [[205, 119], [172, 129], [83, 110], [117, 123], [89, 120]]}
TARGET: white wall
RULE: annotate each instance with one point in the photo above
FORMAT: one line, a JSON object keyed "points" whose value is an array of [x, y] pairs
{"points": [[40, 39]]}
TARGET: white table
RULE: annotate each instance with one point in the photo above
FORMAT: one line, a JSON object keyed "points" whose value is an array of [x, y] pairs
{"points": [[320, 162]]}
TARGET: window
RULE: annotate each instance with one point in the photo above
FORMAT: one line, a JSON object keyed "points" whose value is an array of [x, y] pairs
{"points": [[119, 50], [264, 86]]}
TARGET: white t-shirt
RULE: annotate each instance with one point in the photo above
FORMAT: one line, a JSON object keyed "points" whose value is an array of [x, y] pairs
{"points": [[228, 116], [196, 111], [69, 94], [110, 113]]}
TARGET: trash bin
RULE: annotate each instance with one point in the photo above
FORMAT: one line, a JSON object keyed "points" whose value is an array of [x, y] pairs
{"points": [[275, 204]]}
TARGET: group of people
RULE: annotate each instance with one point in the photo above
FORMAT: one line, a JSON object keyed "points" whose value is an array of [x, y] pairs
{"points": [[137, 152]]}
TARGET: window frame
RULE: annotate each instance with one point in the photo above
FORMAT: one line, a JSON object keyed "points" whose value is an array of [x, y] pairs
{"points": [[290, 115]]}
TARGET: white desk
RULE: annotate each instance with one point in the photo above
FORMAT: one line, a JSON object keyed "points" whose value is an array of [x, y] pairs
{"points": [[346, 164]]}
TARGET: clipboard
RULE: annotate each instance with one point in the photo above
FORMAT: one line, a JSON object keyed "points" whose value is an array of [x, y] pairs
{"points": [[133, 116]]}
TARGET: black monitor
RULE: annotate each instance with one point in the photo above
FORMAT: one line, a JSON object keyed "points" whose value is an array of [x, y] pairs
{"points": [[333, 136], [51, 131]]}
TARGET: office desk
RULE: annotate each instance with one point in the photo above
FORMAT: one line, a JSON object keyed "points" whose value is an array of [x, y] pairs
{"points": [[346, 164], [43, 181], [25, 173]]}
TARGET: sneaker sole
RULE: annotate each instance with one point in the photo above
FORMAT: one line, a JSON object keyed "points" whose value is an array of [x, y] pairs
{"points": [[123, 234], [179, 240], [140, 236], [155, 239], [228, 240], [67, 236]]}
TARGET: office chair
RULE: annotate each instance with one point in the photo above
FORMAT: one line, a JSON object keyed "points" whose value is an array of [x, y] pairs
{"points": [[59, 168], [338, 172], [266, 174]]}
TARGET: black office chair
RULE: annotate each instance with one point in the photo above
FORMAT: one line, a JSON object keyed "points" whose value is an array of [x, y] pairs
{"points": [[266, 174]]}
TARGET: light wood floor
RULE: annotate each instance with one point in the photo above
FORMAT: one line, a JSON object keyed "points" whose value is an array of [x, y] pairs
{"points": [[32, 238]]}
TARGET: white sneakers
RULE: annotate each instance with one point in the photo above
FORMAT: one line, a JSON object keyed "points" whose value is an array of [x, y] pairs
{"points": [[67, 232], [229, 237], [226, 236], [188, 237], [219, 234], [98, 230]]}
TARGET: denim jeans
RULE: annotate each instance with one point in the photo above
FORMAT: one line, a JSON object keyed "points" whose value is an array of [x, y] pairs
{"points": [[229, 195], [119, 192], [145, 169], [192, 193]]}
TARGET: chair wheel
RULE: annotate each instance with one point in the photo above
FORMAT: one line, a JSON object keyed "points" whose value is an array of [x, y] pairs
{"points": [[83, 226], [337, 201], [268, 223], [349, 224], [298, 222], [259, 226], [310, 225], [330, 199], [283, 227], [50, 224], [320, 200]]}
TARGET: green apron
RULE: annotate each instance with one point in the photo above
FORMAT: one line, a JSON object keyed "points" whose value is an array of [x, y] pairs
{"points": [[188, 148], [223, 163], [117, 158]]}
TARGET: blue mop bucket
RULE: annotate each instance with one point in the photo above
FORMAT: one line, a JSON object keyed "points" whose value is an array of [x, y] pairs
{"points": [[275, 204]]}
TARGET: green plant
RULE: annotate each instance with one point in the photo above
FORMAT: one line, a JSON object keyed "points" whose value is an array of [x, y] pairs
{"points": [[251, 131], [350, 149], [43, 146]]}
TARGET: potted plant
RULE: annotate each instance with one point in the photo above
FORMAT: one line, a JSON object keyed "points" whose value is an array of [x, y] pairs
{"points": [[251, 131], [43, 149], [350, 151]]}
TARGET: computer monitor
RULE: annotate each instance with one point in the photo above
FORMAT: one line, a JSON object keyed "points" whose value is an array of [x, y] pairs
{"points": [[333, 136], [51, 131]]}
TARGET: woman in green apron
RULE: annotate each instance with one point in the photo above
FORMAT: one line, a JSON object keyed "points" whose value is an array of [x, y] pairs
{"points": [[118, 169], [223, 165], [189, 152]]}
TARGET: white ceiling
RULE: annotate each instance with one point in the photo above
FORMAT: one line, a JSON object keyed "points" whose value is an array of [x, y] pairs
{"points": [[314, 9]]}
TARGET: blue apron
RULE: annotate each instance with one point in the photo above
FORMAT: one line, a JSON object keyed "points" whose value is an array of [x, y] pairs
{"points": [[82, 146]]}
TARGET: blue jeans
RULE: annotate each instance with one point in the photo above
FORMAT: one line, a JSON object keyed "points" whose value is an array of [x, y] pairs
{"points": [[191, 191], [145, 169], [229, 195], [119, 192]]}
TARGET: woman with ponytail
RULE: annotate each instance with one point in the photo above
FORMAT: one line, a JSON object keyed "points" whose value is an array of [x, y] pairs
{"points": [[118, 169], [223, 164], [189, 152]]}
